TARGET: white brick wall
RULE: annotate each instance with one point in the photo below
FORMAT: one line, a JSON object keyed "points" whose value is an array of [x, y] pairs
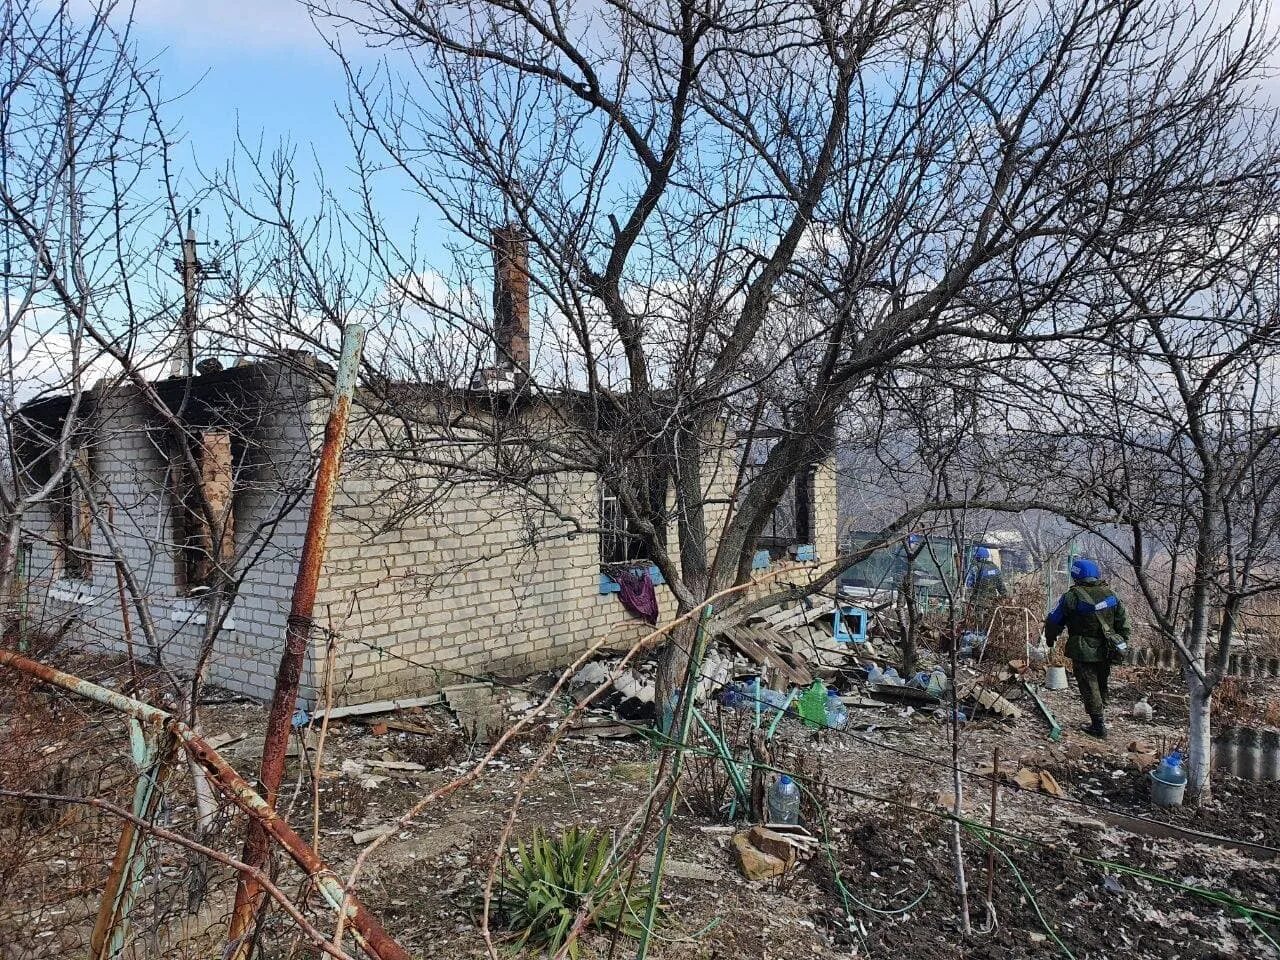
{"points": [[481, 579], [129, 469]]}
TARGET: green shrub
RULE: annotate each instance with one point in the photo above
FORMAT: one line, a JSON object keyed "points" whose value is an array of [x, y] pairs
{"points": [[546, 882]]}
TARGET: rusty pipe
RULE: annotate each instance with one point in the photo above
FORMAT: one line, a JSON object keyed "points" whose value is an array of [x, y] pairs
{"points": [[284, 699]]}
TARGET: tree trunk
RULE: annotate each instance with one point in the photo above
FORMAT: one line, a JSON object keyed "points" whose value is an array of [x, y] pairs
{"points": [[673, 662], [1198, 735]]}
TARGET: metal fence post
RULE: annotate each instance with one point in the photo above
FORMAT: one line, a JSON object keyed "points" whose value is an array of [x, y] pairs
{"points": [[153, 746]]}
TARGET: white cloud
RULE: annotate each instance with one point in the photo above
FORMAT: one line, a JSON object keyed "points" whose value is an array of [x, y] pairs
{"points": [[230, 24]]}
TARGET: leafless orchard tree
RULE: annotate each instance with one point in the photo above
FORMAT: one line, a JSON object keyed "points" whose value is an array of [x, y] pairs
{"points": [[1173, 448], [752, 212]]}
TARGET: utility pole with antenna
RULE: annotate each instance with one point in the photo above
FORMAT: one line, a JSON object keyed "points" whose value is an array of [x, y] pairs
{"points": [[193, 271]]}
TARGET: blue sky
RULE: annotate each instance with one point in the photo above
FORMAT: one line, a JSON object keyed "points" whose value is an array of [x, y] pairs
{"points": [[260, 66]]}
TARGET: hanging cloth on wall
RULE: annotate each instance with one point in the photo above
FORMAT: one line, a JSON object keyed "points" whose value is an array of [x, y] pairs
{"points": [[637, 593]]}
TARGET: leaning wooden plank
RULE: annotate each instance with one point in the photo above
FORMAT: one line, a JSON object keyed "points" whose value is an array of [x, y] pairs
{"points": [[779, 654], [765, 646], [744, 640], [380, 706], [802, 615]]}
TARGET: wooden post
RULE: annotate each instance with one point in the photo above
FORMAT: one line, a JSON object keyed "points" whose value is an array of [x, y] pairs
{"points": [[991, 850]]}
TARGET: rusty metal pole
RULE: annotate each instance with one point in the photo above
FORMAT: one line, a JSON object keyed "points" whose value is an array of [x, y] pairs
{"points": [[991, 849], [249, 893]]}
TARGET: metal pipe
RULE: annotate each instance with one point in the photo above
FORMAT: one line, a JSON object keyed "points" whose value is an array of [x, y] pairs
{"points": [[991, 850], [90, 691], [284, 700], [782, 712], [369, 932], [669, 808], [730, 765], [153, 750]]}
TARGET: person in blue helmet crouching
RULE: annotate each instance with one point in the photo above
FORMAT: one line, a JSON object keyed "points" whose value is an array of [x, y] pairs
{"points": [[1097, 636]]}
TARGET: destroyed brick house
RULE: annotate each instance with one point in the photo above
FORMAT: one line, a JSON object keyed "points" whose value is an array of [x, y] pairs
{"points": [[424, 581]]}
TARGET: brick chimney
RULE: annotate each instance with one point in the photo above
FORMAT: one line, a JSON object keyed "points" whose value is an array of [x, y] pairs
{"points": [[511, 299]]}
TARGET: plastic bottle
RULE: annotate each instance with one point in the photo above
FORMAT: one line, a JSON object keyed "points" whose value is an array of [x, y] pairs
{"points": [[937, 684], [1171, 770], [784, 801], [837, 712]]}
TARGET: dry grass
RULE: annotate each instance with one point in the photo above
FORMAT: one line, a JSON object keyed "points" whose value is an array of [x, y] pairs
{"points": [[1243, 702]]}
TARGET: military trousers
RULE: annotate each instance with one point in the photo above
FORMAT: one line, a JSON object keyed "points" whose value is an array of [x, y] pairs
{"points": [[1091, 678]]}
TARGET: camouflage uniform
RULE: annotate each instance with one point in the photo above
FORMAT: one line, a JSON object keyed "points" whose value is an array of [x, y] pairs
{"points": [[986, 586], [1089, 611]]}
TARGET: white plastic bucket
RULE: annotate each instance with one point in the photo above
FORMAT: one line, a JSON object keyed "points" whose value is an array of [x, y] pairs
{"points": [[1055, 678], [1166, 794]]}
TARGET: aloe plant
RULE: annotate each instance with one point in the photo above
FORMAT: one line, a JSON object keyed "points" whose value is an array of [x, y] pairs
{"points": [[547, 881]]}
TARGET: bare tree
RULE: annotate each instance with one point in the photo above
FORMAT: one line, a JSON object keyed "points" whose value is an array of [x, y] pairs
{"points": [[751, 212], [1173, 444]]}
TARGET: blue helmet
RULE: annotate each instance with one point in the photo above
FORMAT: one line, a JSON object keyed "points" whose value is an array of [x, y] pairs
{"points": [[1082, 568], [981, 553]]}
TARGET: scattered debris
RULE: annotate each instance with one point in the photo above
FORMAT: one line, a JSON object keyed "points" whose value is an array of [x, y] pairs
{"points": [[785, 841], [405, 766], [1041, 780], [363, 837], [766, 646], [681, 869], [988, 699], [225, 740], [378, 706], [480, 714]]}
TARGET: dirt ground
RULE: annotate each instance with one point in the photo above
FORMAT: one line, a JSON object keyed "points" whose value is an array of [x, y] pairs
{"points": [[1066, 881]]}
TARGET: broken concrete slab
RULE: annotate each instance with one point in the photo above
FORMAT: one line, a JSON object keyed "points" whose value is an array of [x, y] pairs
{"points": [[681, 869], [400, 766]]}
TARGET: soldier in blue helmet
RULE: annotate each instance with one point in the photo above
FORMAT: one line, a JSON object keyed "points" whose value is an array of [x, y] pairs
{"points": [[1097, 636], [986, 586]]}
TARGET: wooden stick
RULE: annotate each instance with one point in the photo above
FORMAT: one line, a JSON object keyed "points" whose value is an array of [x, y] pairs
{"points": [[991, 850]]}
